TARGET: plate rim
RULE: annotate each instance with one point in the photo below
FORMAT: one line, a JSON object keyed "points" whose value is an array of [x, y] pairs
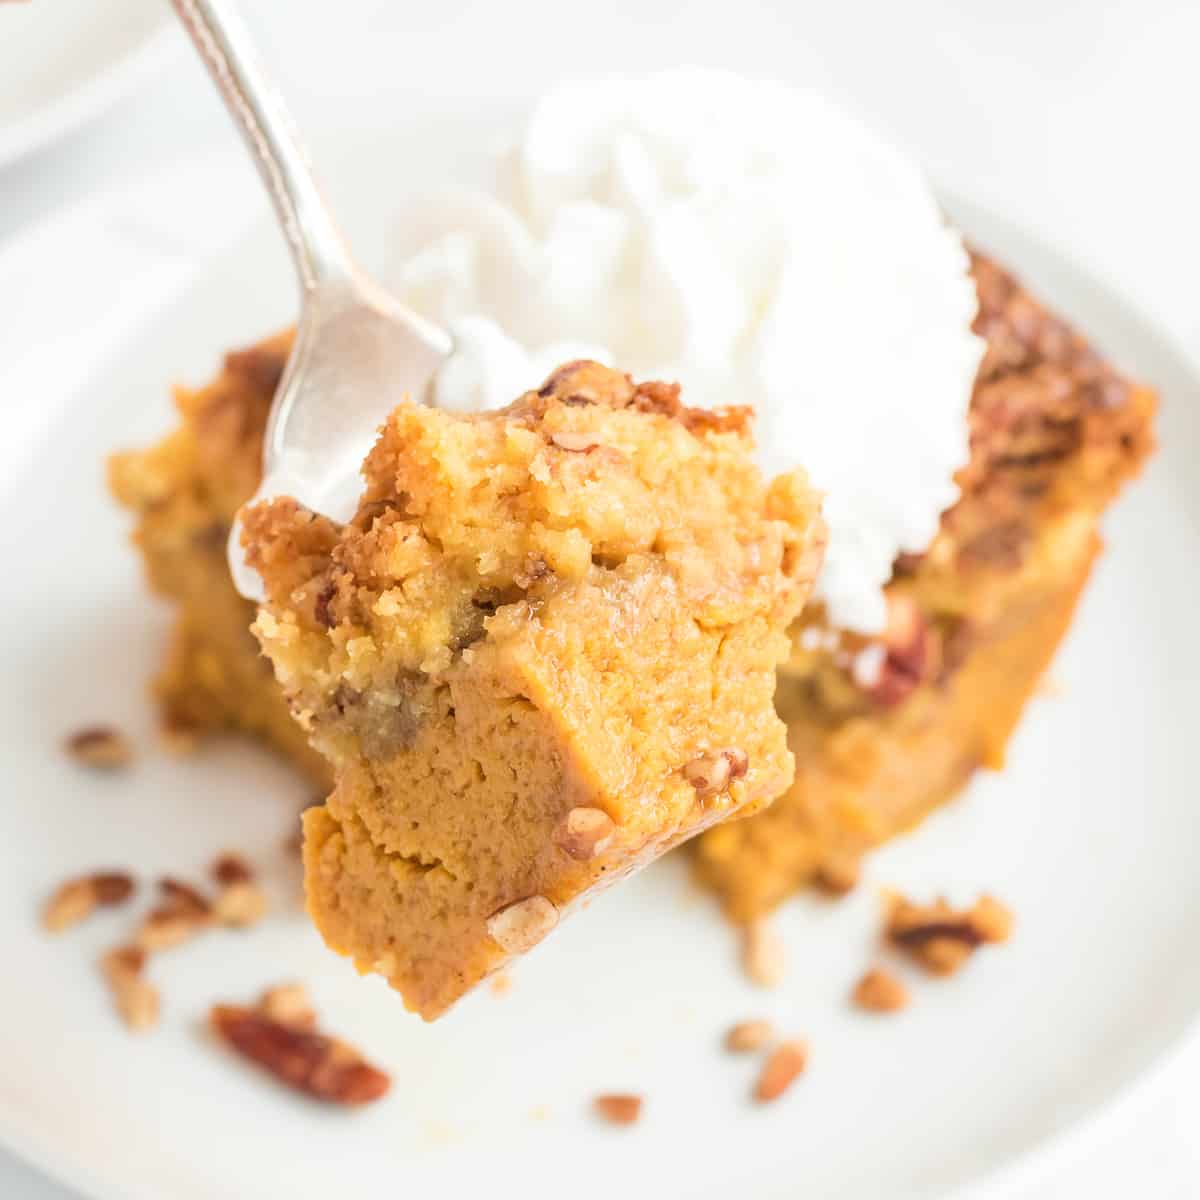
{"points": [[90, 98], [1035, 1162]]}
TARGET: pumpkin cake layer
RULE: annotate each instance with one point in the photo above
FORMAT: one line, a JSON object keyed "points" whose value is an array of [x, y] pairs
{"points": [[541, 654]]}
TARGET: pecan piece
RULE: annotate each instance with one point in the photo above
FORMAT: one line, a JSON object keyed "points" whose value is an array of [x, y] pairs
{"points": [[763, 956], [783, 1066], [100, 746], [712, 773], [584, 833], [135, 997], [230, 868], [240, 901], [941, 938], [520, 926], [880, 991], [240, 904], [307, 1061], [906, 654], [168, 926], [77, 899], [575, 441], [559, 377], [184, 912], [748, 1035], [618, 1108]]}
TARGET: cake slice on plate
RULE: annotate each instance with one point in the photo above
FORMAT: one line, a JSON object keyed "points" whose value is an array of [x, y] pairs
{"points": [[886, 728], [185, 492]]}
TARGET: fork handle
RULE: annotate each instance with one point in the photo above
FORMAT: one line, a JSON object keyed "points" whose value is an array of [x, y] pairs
{"points": [[227, 48]]}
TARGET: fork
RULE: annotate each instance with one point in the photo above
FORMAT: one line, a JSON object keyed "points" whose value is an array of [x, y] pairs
{"points": [[358, 351]]}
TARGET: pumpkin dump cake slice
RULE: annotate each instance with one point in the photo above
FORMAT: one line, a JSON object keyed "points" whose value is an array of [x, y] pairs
{"points": [[185, 492], [884, 730], [541, 654]]}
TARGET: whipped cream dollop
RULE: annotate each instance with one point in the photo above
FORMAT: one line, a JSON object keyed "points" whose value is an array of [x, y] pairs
{"points": [[749, 241]]}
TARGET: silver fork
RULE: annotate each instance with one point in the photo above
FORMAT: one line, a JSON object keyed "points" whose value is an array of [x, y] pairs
{"points": [[358, 351]]}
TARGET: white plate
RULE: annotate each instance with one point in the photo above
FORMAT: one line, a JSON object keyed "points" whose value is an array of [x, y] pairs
{"points": [[64, 62], [1089, 834]]}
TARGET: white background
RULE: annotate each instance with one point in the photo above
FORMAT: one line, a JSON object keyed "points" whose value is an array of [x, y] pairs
{"points": [[1077, 118]]}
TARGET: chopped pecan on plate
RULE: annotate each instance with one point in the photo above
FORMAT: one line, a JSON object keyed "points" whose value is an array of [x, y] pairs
{"points": [[278, 1035], [136, 998], [618, 1108], [784, 1065], [880, 991], [941, 938], [100, 746], [76, 899]]}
